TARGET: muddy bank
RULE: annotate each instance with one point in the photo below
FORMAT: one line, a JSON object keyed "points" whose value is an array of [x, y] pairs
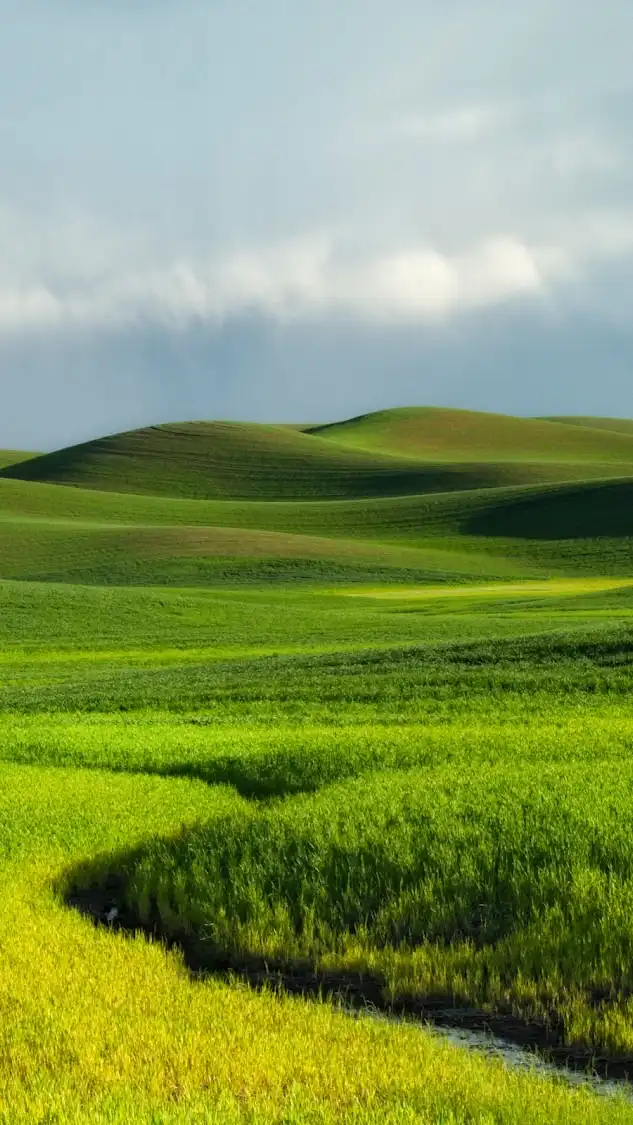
{"points": [[520, 1042]]}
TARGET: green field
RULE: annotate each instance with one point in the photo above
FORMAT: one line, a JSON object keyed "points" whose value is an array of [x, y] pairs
{"points": [[280, 713]]}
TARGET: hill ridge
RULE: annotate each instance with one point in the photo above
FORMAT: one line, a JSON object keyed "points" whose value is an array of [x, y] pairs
{"points": [[404, 451]]}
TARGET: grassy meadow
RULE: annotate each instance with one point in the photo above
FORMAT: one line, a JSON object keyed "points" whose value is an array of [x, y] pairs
{"points": [[288, 716]]}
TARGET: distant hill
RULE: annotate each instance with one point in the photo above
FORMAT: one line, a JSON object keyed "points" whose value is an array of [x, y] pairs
{"points": [[613, 425], [13, 456], [226, 460], [454, 435], [389, 453]]}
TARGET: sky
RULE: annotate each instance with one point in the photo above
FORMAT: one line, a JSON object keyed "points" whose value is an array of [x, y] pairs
{"points": [[293, 212]]}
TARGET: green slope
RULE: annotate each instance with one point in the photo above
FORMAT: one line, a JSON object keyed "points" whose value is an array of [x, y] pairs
{"points": [[14, 457], [227, 460], [612, 425], [590, 509], [464, 435], [37, 550], [208, 503], [63, 534], [233, 460]]}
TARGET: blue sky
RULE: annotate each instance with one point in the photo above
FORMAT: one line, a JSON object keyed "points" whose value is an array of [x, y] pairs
{"points": [[220, 208]]}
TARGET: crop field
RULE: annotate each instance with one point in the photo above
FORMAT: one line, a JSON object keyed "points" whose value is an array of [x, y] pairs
{"points": [[286, 780]]}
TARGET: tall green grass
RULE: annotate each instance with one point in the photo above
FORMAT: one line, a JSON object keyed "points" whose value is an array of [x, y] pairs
{"points": [[433, 817], [501, 887], [451, 818]]}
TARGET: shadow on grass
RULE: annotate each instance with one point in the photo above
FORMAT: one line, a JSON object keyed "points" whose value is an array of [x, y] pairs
{"points": [[587, 511], [105, 904]]}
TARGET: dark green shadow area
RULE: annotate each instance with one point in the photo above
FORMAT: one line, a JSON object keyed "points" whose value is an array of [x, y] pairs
{"points": [[590, 511]]}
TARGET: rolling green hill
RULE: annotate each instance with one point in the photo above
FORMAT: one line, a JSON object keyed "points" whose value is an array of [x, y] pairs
{"points": [[231, 460], [400, 452], [208, 503], [13, 457], [612, 425], [435, 433], [68, 534]]}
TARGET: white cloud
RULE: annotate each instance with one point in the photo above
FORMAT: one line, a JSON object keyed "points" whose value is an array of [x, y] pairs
{"points": [[73, 274], [421, 283], [299, 280]]}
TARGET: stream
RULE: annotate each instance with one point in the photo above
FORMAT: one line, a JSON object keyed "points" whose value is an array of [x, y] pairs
{"points": [[100, 907], [519, 1058]]}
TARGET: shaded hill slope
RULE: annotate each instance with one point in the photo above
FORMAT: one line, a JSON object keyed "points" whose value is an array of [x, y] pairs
{"points": [[584, 509], [226, 460], [601, 510]]}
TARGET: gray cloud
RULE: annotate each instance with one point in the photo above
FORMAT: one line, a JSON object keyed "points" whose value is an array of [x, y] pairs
{"points": [[533, 360]]}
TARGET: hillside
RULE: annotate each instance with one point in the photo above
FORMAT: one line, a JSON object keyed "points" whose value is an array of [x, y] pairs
{"points": [[229, 503], [225, 460], [391, 453], [222, 460], [13, 457], [612, 425], [455, 435], [63, 534]]}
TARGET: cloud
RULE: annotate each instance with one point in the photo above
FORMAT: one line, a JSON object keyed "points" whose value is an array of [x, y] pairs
{"points": [[69, 273], [301, 281], [461, 123], [90, 283], [427, 285]]}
